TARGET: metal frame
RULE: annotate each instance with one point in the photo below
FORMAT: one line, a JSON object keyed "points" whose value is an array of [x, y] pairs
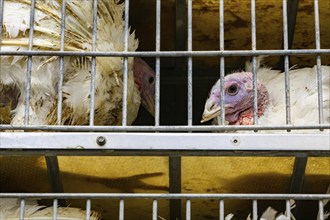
{"points": [[169, 144], [155, 197]]}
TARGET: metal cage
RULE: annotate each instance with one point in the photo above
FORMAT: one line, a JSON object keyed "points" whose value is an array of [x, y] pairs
{"points": [[171, 141]]}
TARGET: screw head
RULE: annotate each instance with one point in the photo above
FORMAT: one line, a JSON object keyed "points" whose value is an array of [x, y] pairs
{"points": [[235, 141], [100, 140]]}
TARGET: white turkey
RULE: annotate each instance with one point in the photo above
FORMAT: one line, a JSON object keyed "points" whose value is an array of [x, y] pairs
{"points": [[77, 70], [10, 210], [238, 99]]}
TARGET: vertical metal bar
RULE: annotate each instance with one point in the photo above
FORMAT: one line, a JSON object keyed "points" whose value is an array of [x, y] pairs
{"points": [[21, 209], [321, 210], [54, 176], [154, 209], [190, 89], [60, 81], [255, 210], [292, 7], [29, 65], [157, 93], [288, 208], [55, 205], [93, 70], [318, 61], [188, 209], [125, 75], [175, 186], [254, 61], [222, 62], [1, 18], [221, 210], [286, 63], [88, 209], [180, 32], [297, 181], [121, 209]]}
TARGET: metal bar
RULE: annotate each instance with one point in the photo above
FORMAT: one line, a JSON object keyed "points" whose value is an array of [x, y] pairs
{"points": [[286, 64], [55, 205], [157, 82], [288, 209], [292, 7], [54, 176], [188, 209], [1, 19], [209, 53], [190, 63], [318, 61], [121, 209], [297, 181], [29, 65], [321, 210], [93, 70], [21, 209], [60, 80], [154, 209], [254, 61], [125, 74], [175, 185], [88, 209], [161, 128], [221, 210], [255, 209], [222, 62], [243, 196], [49, 143]]}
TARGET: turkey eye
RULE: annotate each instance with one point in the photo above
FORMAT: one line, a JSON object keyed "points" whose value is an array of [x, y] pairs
{"points": [[151, 80], [232, 90]]}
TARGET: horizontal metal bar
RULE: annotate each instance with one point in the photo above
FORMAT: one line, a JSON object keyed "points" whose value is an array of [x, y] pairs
{"points": [[209, 53], [265, 196], [217, 128], [164, 141]]}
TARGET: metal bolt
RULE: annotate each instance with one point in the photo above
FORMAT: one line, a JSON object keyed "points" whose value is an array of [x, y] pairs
{"points": [[100, 140], [235, 140]]}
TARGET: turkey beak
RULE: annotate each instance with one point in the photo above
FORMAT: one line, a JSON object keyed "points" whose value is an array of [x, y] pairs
{"points": [[148, 102], [144, 77], [211, 110]]}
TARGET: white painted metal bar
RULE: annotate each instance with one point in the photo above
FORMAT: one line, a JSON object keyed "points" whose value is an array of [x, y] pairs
{"points": [[286, 63], [216, 128], [288, 208], [29, 65], [243, 196], [88, 209], [157, 82], [93, 70], [154, 209], [200, 53], [222, 61], [254, 210], [190, 64], [221, 209], [121, 209], [60, 80], [22, 209], [125, 74], [321, 210], [1, 19], [318, 61], [188, 209], [254, 61], [55, 205], [166, 141]]}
